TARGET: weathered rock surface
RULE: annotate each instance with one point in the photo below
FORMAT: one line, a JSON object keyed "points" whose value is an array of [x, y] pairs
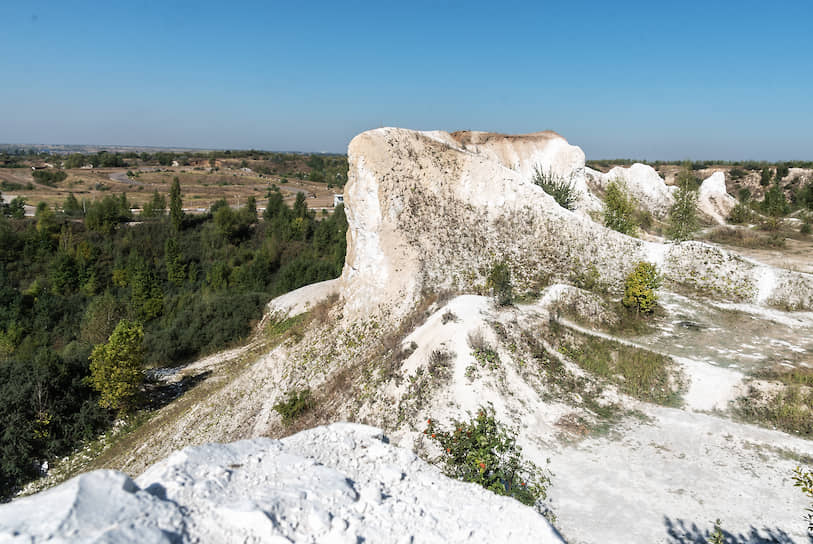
{"points": [[714, 200], [642, 182], [341, 483], [426, 212]]}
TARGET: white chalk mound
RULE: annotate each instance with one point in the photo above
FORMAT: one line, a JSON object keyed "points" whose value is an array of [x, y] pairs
{"points": [[714, 200], [340, 483], [642, 182]]}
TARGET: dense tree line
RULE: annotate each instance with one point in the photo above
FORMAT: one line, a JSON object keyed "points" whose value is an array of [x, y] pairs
{"points": [[189, 284]]}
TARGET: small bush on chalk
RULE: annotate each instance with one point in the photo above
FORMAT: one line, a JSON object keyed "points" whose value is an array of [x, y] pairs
{"points": [[562, 189], [639, 288], [499, 281], [295, 404], [483, 451]]}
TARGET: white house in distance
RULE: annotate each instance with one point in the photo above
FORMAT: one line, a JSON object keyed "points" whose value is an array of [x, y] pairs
{"points": [[338, 199]]}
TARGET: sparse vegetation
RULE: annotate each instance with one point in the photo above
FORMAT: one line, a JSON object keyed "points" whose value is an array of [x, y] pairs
{"points": [[790, 408], [448, 317], [743, 237], [49, 177], [740, 213], [420, 385], [482, 351], [485, 452], [561, 188], [717, 536], [640, 373]]}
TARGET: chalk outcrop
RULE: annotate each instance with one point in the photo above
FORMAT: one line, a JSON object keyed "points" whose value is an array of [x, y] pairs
{"points": [[429, 211], [341, 483], [642, 182], [713, 199]]}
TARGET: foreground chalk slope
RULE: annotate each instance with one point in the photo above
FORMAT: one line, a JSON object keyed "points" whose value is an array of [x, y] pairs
{"points": [[341, 483]]}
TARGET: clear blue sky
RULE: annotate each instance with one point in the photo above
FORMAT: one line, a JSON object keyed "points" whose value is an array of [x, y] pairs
{"points": [[620, 79]]}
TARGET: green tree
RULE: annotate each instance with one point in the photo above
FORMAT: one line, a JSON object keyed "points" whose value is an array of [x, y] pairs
{"points": [[619, 208], [683, 221], [115, 367], [639, 288], [176, 269], [765, 177], [100, 318], [71, 206], [176, 204], [300, 205], [775, 204], [46, 220], [234, 225], [251, 209], [156, 207]]}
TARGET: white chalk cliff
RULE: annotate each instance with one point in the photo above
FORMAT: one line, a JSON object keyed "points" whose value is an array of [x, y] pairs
{"points": [[435, 210], [714, 200], [642, 182], [341, 483]]}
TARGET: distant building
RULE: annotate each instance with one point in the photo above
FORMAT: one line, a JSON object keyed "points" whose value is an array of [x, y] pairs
{"points": [[338, 199]]}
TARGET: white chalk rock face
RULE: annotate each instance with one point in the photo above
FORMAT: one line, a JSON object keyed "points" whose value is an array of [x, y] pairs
{"points": [[642, 182], [433, 210], [714, 200], [340, 483]]}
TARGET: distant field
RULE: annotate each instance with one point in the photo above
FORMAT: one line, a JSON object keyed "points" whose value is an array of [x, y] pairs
{"points": [[200, 187]]}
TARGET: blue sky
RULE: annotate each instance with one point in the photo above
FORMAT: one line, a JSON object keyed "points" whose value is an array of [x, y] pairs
{"points": [[731, 80]]}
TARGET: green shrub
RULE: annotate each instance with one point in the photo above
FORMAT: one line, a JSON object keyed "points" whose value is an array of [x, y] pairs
{"points": [[639, 288], [499, 281], [619, 208], [775, 204], [295, 404], [740, 213], [562, 189], [804, 481], [49, 177], [484, 452], [765, 177]]}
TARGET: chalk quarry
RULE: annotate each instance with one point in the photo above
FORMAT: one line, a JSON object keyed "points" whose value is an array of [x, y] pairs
{"points": [[429, 213]]}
